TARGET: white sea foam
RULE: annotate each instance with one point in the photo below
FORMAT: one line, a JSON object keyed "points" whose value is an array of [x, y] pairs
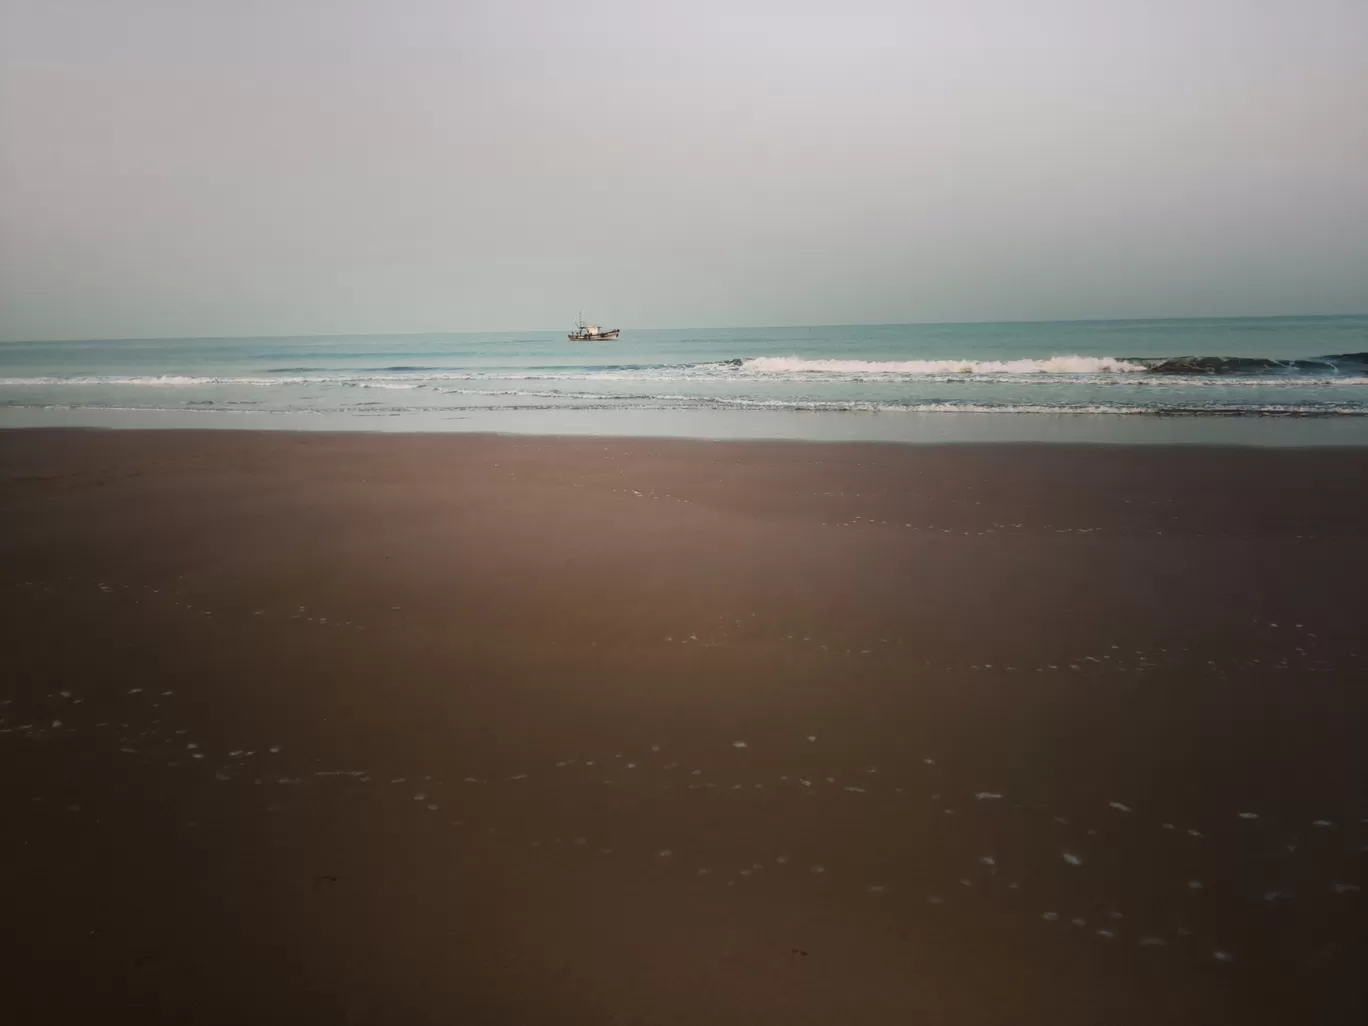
{"points": [[1054, 408], [809, 380], [1064, 364], [1053, 370]]}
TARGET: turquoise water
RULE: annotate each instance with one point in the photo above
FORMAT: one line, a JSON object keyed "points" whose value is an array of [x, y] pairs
{"points": [[856, 381]]}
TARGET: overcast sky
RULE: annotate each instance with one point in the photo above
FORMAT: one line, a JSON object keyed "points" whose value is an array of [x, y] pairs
{"points": [[245, 167]]}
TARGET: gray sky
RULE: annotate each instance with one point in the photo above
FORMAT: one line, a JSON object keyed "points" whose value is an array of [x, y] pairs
{"points": [[241, 167]]}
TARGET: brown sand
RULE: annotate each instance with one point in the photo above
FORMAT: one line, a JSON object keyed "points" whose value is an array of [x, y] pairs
{"points": [[587, 630]]}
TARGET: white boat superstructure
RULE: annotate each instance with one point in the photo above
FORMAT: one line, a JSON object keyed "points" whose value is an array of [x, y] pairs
{"points": [[591, 332]]}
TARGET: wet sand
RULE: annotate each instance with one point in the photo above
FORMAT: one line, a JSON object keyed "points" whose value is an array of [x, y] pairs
{"points": [[433, 729]]}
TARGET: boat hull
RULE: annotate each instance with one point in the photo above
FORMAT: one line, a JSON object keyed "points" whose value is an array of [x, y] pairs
{"points": [[599, 336]]}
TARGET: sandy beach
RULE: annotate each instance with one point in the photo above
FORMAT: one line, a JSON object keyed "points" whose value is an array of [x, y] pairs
{"points": [[405, 729]]}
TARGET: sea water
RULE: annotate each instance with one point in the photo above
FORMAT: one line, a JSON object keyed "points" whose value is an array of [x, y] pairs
{"points": [[1297, 380]]}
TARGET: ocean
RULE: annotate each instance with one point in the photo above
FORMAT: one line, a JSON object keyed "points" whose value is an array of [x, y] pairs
{"points": [[1284, 380]]}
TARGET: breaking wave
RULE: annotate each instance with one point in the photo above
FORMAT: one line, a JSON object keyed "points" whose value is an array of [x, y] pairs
{"points": [[595, 401], [1063, 408], [1062, 384], [1347, 369], [1062, 365], [1049, 365]]}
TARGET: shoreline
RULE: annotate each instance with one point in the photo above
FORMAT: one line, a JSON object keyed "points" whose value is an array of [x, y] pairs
{"points": [[520, 437], [369, 727]]}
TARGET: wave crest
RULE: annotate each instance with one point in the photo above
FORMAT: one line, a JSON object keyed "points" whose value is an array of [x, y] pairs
{"points": [[1064, 364]]}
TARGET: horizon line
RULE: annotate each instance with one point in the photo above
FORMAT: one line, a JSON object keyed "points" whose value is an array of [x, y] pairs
{"points": [[515, 331]]}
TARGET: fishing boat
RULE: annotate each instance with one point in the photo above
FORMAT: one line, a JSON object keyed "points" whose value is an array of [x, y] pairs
{"points": [[591, 332]]}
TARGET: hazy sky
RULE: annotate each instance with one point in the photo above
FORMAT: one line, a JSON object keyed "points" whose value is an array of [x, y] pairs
{"points": [[242, 167]]}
